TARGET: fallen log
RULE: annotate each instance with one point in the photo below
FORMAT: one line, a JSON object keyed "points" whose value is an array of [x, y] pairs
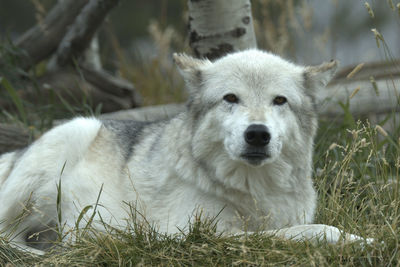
{"points": [[377, 97], [111, 84], [372, 88]]}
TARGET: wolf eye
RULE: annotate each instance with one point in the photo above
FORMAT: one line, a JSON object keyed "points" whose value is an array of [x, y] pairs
{"points": [[231, 98], [280, 100]]}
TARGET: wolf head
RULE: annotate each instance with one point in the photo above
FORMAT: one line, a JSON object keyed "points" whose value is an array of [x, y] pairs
{"points": [[254, 104]]}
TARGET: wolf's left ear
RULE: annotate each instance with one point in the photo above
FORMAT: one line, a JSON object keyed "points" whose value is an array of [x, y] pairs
{"points": [[190, 68], [319, 76]]}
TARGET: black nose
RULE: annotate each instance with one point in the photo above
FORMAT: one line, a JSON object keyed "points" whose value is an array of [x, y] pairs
{"points": [[257, 135]]}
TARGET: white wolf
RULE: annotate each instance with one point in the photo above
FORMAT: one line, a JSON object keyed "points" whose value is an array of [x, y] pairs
{"points": [[241, 151]]}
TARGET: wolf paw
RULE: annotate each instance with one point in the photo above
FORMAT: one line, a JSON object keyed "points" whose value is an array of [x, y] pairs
{"points": [[318, 232]]}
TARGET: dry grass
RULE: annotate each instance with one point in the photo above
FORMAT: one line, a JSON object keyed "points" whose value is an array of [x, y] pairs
{"points": [[156, 78], [357, 177], [278, 22]]}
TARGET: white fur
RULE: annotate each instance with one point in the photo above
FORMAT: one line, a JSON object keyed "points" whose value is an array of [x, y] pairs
{"points": [[185, 165]]}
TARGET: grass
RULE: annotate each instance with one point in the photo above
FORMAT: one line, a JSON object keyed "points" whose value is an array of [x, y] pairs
{"points": [[357, 178], [47, 104]]}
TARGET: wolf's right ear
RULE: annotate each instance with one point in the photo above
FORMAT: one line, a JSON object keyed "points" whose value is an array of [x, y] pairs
{"points": [[319, 76], [190, 68]]}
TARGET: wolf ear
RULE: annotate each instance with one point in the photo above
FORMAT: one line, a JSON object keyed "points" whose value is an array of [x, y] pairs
{"points": [[190, 68], [319, 76]]}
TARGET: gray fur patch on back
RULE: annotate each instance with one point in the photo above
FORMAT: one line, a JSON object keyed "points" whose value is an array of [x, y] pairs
{"points": [[128, 133]]}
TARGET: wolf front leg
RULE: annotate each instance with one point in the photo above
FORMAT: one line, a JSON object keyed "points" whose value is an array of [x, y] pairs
{"points": [[315, 232]]}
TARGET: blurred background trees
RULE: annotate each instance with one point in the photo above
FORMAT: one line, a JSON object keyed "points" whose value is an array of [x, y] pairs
{"points": [[137, 39], [305, 31]]}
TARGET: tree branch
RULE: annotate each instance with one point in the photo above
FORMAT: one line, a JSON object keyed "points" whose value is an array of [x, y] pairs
{"points": [[112, 85], [42, 40], [72, 87], [384, 97], [80, 34]]}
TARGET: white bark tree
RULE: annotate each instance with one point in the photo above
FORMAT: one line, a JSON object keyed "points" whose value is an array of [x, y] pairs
{"points": [[217, 27]]}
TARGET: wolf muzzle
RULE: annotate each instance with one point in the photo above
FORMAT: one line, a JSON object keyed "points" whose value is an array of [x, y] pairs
{"points": [[257, 137]]}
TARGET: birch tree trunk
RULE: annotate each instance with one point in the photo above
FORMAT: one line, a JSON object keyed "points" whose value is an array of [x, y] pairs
{"points": [[217, 27]]}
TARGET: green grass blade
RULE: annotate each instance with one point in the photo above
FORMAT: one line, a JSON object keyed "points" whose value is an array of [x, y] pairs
{"points": [[15, 98]]}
